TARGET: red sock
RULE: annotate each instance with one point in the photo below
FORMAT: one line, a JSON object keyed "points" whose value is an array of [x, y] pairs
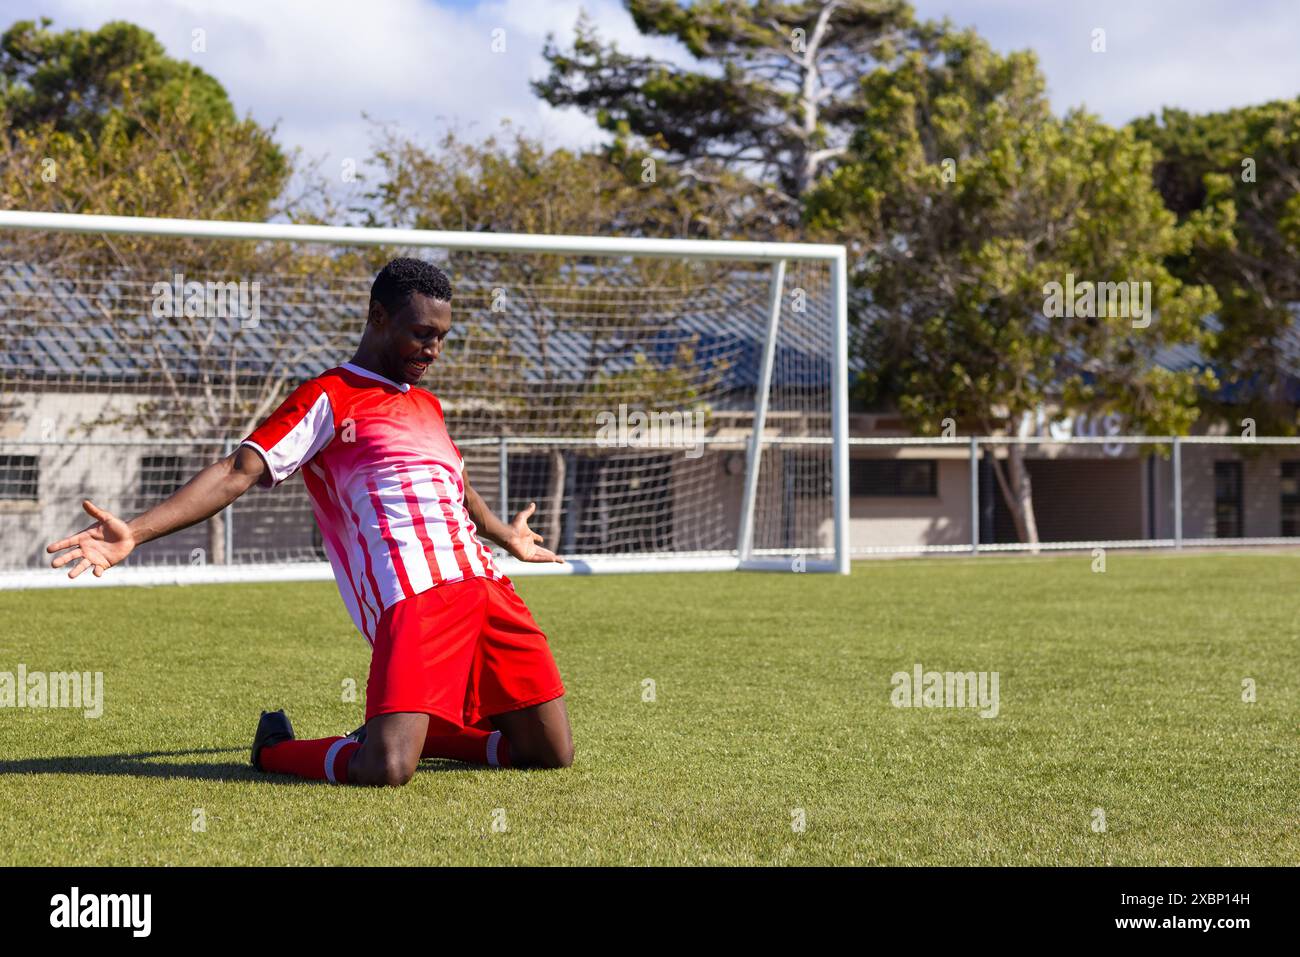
{"points": [[321, 759], [470, 745]]}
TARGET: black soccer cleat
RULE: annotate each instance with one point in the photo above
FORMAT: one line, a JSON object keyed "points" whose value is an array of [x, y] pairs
{"points": [[273, 728], [359, 735]]}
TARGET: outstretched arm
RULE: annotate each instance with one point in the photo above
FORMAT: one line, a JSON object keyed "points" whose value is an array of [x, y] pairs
{"points": [[110, 540], [516, 538]]}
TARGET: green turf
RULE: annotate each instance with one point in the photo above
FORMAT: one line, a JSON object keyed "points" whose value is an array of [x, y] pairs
{"points": [[1120, 691]]}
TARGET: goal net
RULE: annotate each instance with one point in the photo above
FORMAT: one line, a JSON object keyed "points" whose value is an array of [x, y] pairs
{"points": [[667, 404]]}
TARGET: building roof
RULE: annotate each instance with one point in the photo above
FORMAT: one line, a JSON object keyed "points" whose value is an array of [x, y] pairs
{"points": [[98, 329]]}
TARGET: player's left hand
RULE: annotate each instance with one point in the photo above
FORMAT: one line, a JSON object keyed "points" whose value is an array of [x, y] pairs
{"points": [[525, 544]]}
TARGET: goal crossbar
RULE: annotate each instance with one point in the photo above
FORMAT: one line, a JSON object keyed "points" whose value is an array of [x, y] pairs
{"points": [[740, 250]]}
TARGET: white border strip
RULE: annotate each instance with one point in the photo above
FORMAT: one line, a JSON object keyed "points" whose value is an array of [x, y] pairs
{"points": [[321, 571], [168, 575]]}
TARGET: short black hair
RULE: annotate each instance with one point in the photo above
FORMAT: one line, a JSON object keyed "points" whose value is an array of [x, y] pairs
{"points": [[403, 276]]}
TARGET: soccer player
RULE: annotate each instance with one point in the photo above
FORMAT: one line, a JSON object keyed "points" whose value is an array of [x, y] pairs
{"points": [[459, 668]]}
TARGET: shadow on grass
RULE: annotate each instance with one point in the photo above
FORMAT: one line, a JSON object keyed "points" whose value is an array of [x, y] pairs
{"points": [[147, 764]]}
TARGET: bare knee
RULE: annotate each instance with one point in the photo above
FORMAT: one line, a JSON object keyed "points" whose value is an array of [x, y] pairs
{"points": [[564, 756], [397, 770], [381, 768], [539, 736], [390, 752], [554, 756]]}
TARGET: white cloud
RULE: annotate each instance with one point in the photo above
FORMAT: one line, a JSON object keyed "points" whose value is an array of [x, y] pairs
{"points": [[1199, 55], [315, 66]]}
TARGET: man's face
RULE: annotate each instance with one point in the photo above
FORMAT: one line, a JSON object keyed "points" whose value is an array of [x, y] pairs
{"points": [[412, 336]]}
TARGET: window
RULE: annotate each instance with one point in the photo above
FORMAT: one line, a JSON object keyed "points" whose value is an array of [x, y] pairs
{"points": [[1291, 498], [160, 475], [18, 478], [894, 477], [1227, 500]]}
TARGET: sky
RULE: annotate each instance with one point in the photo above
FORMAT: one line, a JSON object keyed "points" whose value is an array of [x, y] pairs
{"points": [[313, 67]]}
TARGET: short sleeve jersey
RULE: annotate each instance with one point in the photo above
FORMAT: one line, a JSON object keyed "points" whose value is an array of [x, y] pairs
{"points": [[386, 486]]}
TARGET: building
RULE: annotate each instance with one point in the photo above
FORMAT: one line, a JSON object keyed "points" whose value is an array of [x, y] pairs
{"points": [[100, 398]]}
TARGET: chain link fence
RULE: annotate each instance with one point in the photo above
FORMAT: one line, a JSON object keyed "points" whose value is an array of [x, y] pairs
{"points": [[998, 494], [916, 495]]}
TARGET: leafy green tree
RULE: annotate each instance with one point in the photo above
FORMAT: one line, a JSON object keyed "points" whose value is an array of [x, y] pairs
{"points": [[962, 200], [106, 122], [103, 122], [777, 92], [75, 79], [1234, 179]]}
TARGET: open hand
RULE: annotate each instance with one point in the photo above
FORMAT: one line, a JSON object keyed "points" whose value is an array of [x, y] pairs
{"points": [[525, 544], [99, 546]]}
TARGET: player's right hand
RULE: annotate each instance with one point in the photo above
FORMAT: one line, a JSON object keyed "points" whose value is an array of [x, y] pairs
{"points": [[99, 546]]}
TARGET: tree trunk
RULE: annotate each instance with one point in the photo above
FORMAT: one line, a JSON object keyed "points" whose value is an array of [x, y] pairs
{"points": [[217, 539], [1022, 506], [554, 500], [1018, 494]]}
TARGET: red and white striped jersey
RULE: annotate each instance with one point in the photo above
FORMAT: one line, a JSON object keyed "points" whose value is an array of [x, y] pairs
{"points": [[386, 485]]}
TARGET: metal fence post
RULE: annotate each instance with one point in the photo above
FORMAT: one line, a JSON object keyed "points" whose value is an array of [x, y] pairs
{"points": [[1178, 492], [228, 558], [503, 479], [974, 495]]}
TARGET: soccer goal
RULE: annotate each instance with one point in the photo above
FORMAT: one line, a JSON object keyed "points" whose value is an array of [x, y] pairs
{"points": [[668, 404]]}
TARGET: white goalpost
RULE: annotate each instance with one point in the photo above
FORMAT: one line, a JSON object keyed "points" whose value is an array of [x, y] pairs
{"points": [[670, 404]]}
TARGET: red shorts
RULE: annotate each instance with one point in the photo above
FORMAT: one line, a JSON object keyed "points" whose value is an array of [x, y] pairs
{"points": [[460, 652]]}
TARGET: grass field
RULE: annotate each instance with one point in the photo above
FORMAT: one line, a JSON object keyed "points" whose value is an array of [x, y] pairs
{"points": [[1120, 691]]}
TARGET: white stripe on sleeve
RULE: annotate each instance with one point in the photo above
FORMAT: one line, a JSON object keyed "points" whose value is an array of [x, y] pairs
{"points": [[312, 433]]}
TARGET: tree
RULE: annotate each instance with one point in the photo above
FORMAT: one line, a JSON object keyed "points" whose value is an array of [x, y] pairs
{"points": [[783, 104], [76, 80], [104, 122], [1234, 179], [964, 200]]}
